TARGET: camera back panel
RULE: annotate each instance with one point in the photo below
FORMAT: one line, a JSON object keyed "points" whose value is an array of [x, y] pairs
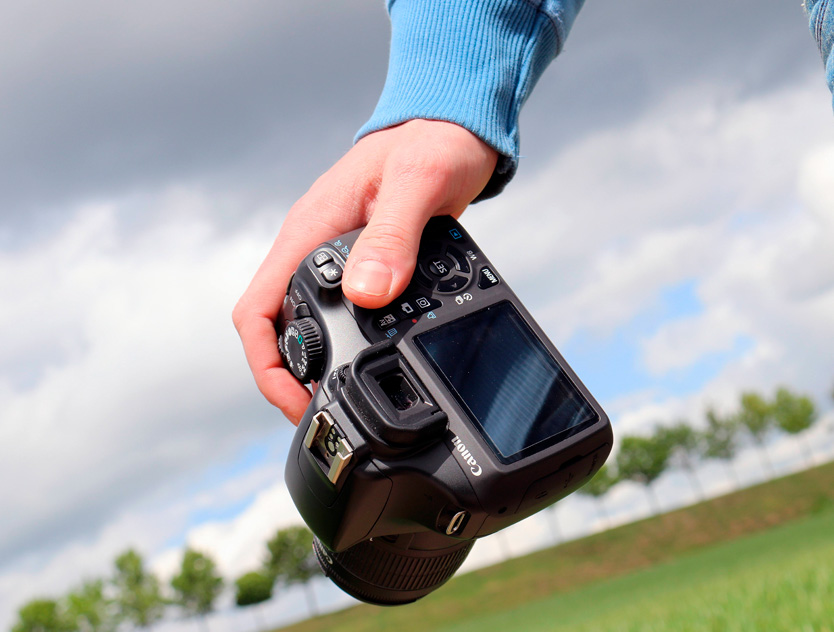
{"points": [[453, 411]]}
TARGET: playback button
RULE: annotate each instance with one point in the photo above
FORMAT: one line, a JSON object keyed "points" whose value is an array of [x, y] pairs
{"points": [[322, 257]]}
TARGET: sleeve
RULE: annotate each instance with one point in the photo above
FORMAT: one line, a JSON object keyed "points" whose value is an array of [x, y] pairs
{"points": [[470, 62], [821, 17]]}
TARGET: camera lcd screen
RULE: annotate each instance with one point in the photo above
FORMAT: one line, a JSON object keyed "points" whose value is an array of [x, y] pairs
{"points": [[519, 397]]}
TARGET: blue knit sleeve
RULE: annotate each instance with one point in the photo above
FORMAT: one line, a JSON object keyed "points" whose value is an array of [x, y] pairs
{"points": [[470, 62], [821, 15]]}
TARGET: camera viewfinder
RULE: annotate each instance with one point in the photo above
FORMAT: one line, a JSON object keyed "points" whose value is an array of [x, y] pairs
{"points": [[399, 391]]}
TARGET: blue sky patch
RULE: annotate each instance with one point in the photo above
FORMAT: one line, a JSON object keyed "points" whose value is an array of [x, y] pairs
{"points": [[612, 367]]}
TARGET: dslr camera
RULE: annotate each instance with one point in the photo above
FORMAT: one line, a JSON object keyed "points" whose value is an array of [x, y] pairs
{"points": [[439, 419]]}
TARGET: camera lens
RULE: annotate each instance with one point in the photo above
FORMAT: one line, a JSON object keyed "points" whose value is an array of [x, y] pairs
{"points": [[393, 570]]}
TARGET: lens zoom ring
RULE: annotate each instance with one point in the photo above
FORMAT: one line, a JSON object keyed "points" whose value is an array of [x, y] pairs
{"points": [[397, 571], [380, 569]]}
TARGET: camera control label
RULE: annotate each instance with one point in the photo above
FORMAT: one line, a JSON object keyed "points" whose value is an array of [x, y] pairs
{"points": [[466, 456]]}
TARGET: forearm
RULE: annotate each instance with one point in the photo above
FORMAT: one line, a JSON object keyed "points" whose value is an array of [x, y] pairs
{"points": [[470, 63], [821, 16]]}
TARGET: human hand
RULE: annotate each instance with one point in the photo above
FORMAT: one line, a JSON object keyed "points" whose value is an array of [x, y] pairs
{"points": [[392, 182]]}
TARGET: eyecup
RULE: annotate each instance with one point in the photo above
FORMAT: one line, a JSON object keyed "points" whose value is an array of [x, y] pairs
{"points": [[380, 572]]}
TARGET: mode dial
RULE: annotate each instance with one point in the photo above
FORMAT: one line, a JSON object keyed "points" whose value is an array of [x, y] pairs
{"points": [[302, 349]]}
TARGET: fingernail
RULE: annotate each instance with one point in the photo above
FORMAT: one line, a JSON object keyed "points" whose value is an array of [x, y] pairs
{"points": [[370, 277]]}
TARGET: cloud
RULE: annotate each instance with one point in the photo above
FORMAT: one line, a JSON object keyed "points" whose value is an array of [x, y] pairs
{"points": [[99, 99], [816, 183], [147, 157], [683, 342], [709, 186], [238, 545], [135, 377]]}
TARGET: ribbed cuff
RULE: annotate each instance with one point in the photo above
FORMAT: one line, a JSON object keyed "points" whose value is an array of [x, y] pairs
{"points": [[470, 63], [821, 16]]}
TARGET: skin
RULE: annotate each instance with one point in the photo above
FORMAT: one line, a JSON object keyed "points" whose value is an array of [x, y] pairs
{"points": [[391, 182]]}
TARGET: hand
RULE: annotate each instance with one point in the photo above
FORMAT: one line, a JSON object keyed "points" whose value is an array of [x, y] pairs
{"points": [[391, 181]]}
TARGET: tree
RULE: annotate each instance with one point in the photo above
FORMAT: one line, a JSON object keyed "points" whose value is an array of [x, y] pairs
{"points": [[685, 447], [198, 584], [43, 615], [756, 416], [721, 441], [89, 609], [254, 588], [291, 560], [599, 485], [794, 414], [643, 460], [138, 596]]}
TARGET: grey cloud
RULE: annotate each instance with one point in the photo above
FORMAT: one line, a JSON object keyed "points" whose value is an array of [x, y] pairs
{"points": [[107, 480], [103, 99], [259, 98], [621, 57], [154, 390]]}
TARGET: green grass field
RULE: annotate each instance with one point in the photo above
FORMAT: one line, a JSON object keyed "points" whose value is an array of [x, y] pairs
{"points": [[780, 580], [758, 559]]}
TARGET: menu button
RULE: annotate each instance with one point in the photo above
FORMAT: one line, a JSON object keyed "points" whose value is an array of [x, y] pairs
{"points": [[487, 278]]}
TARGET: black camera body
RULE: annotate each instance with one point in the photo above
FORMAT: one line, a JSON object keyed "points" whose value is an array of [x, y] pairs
{"points": [[444, 417]]}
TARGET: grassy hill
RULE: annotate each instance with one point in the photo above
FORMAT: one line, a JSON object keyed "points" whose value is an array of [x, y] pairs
{"points": [[701, 567]]}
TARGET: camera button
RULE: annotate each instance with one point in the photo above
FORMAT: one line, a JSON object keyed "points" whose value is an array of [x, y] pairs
{"points": [[407, 309], [332, 273], [461, 264], [454, 284], [385, 321], [487, 278], [322, 257], [426, 304], [440, 266]]}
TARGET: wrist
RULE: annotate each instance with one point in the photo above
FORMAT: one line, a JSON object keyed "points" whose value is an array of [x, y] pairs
{"points": [[472, 64]]}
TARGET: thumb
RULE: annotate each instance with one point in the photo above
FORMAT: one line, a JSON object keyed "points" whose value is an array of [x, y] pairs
{"points": [[382, 260]]}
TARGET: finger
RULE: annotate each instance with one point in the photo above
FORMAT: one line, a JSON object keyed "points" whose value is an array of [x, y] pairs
{"points": [[279, 386], [421, 178], [382, 260], [257, 310]]}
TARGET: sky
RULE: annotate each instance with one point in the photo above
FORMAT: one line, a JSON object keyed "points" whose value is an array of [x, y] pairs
{"points": [[670, 227]]}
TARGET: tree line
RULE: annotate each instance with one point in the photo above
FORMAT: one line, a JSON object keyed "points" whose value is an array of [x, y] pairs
{"points": [[643, 459], [135, 596]]}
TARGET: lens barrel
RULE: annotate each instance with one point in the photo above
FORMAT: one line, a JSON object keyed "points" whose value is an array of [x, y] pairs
{"points": [[392, 571]]}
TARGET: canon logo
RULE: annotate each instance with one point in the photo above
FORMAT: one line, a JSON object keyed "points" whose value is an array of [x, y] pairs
{"points": [[467, 456]]}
